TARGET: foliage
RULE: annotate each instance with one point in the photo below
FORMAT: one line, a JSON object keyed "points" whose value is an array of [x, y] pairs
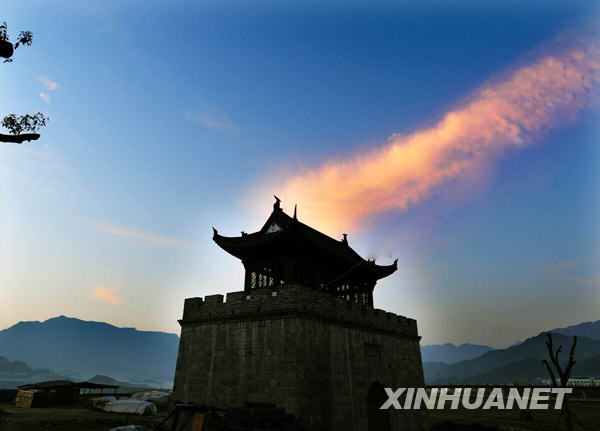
{"points": [[19, 124], [25, 38], [3, 32]]}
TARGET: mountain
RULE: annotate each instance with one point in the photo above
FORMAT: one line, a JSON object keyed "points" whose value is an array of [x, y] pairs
{"points": [[434, 370], [124, 387], [493, 361], [530, 370], [585, 329], [14, 373], [14, 368], [450, 354], [80, 349]]}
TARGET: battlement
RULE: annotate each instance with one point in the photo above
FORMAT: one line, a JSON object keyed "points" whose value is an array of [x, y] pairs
{"points": [[294, 300]]}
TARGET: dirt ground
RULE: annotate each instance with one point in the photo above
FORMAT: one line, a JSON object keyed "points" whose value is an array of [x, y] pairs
{"points": [[69, 418], [75, 418], [588, 413]]}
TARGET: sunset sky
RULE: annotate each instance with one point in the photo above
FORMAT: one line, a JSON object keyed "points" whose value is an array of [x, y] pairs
{"points": [[459, 137]]}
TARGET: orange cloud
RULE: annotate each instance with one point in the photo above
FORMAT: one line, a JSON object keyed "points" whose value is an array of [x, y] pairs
{"points": [[510, 113], [107, 294]]}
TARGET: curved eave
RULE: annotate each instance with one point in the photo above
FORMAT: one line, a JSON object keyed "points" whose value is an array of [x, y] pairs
{"points": [[243, 246], [239, 246], [382, 271]]}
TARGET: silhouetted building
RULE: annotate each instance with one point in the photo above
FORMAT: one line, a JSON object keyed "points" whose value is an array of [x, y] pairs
{"points": [[303, 334], [55, 392]]}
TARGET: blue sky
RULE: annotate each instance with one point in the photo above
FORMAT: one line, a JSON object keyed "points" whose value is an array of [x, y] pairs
{"points": [[166, 117]]}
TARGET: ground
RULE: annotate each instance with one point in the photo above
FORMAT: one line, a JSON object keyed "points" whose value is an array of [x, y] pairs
{"points": [[588, 412], [75, 418], [69, 418]]}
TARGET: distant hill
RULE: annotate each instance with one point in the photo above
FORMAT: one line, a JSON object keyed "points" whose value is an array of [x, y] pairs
{"points": [[123, 386], [435, 370], [512, 363], [81, 349], [450, 353], [529, 370], [585, 329], [21, 369], [15, 373]]}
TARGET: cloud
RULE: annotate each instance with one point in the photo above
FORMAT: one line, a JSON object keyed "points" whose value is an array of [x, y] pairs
{"points": [[583, 280], [50, 85], [45, 97], [211, 118], [142, 236], [107, 294], [557, 271], [509, 113]]}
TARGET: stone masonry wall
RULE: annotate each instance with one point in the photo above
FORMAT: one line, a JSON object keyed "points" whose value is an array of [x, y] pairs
{"points": [[308, 352]]}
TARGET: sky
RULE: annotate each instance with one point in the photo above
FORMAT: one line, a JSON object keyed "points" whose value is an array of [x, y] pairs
{"points": [[460, 138]]}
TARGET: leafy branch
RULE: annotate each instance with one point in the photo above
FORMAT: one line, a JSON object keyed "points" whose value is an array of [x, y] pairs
{"points": [[24, 123], [6, 47]]}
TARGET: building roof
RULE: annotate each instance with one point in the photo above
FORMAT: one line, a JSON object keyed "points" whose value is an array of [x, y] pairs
{"points": [[55, 384], [281, 227]]}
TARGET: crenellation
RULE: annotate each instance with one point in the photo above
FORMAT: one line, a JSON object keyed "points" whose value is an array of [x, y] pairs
{"points": [[213, 299], [290, 300], [235, 297]]}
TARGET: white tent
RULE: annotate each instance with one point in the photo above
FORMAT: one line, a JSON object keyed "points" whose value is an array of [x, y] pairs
{"points": [[138, 407], [154, 396]]}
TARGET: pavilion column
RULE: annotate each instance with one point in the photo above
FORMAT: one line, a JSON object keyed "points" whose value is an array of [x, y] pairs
{"points": [[247, 279], [289, 273], [370, 298]]}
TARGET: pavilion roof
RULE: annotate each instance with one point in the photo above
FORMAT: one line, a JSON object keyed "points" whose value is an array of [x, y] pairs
{"points": [[281, 227]]}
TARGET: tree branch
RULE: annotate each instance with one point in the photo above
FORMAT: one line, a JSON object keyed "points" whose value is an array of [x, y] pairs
{"points": [[19, 139], [545, 362]]}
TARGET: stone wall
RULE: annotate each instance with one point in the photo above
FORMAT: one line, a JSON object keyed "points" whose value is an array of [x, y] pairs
{"points": [[308, 352]]}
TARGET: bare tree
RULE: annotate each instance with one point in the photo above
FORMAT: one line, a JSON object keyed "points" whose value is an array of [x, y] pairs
{"points": [[560, 377], [24, 123]]}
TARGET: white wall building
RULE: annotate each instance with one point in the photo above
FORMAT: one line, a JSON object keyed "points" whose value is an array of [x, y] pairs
{"points": [[583, 381]]}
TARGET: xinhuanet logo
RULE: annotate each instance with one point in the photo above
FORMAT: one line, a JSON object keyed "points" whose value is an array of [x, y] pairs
{"points": [[496, 398]]}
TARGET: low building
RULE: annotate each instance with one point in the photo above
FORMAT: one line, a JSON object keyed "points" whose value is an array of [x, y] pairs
{"points": [[583, 381], [56, 392]]}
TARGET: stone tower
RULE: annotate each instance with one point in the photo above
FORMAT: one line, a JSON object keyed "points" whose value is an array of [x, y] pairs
{"points": [[303, 334]]}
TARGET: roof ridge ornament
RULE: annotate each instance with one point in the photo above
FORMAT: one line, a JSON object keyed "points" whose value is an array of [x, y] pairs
{"points": [[345, 238], [215, 233], [277, 204], [295, 208]]}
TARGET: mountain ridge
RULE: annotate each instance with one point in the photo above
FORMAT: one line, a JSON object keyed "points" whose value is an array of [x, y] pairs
{"points": [[533, 347], [81, 349], [450, 353]]}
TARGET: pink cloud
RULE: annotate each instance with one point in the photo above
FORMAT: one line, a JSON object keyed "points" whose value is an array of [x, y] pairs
{"points": [[107, 294], [513, 112]]}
